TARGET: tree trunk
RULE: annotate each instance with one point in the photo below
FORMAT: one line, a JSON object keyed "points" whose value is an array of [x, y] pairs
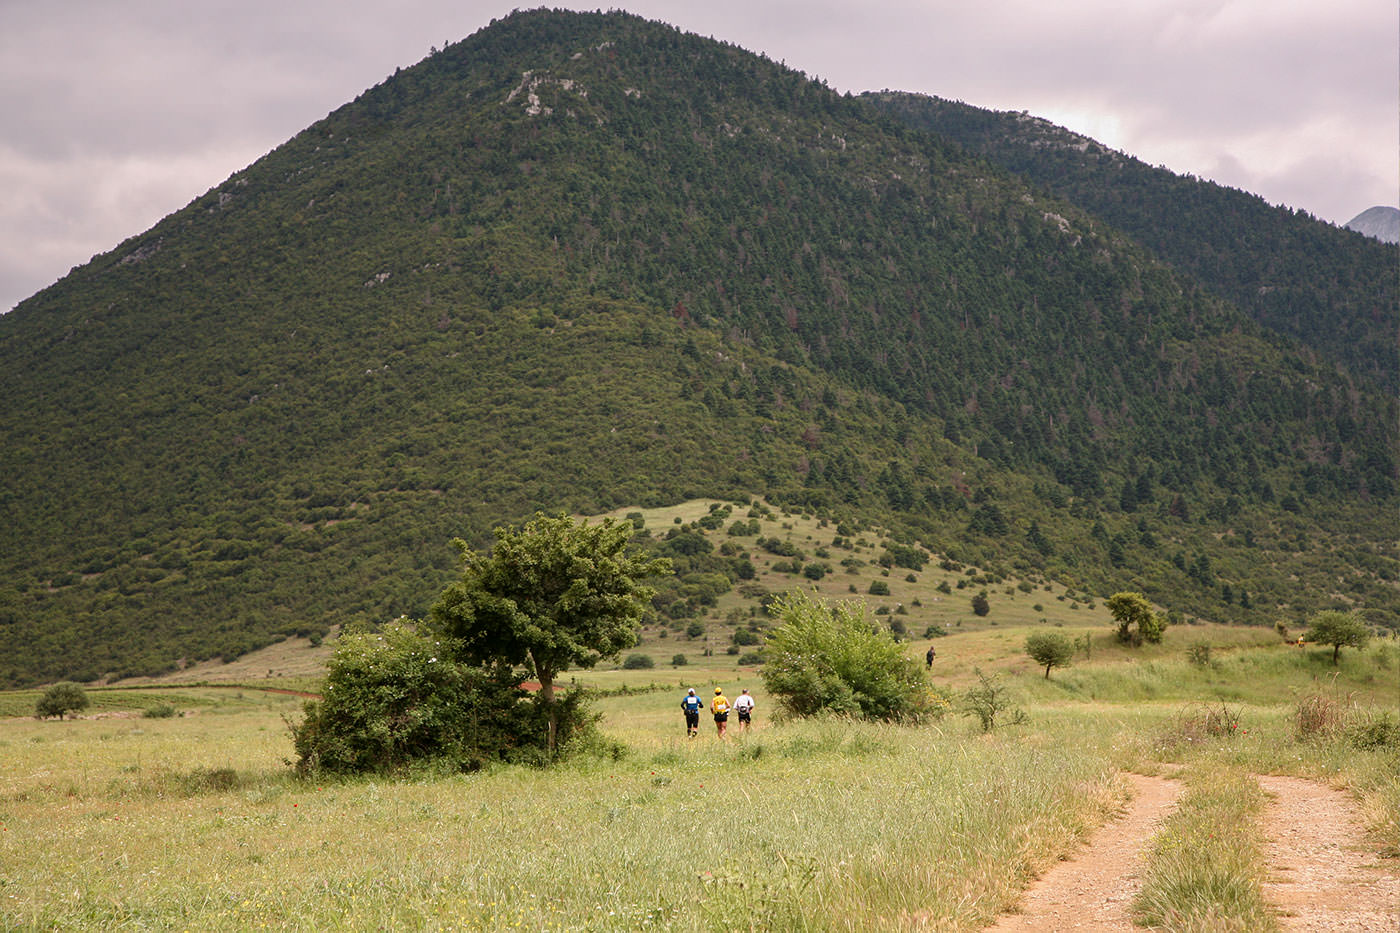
{"points": [[546, 679], [547, 698]]}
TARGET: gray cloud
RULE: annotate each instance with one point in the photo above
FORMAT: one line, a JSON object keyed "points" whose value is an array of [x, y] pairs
{"points": [[117, 114]]}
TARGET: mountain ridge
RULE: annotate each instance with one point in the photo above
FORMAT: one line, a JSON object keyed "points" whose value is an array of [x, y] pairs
{"points": [[1291, 273]]}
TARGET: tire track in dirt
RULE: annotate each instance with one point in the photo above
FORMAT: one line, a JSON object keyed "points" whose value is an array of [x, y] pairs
{"points": [[1322, 878], [1093, 890]]}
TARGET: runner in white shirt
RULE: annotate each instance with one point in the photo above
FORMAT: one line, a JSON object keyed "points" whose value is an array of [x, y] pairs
{"points": [[743, 705]]}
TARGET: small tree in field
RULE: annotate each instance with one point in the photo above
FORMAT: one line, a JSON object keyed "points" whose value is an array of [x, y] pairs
{"points": [[1338, 629], [832, 658], [550, 596], [60, 699], [1051, 649], [988, 700], [1137, 620]]}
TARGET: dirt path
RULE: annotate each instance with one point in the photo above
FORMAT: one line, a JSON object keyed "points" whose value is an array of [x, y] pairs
{"points": [[1093, 890], [1321, 878]]}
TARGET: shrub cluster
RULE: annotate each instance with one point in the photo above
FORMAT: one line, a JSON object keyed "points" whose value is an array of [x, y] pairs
{"points": [[396, 696], [1197, 724], [60, 699], [987, 700], [822, 658], [1325, 715]]}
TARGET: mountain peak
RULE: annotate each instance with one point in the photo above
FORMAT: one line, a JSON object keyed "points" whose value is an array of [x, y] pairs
{"points": [[1381, 222]]}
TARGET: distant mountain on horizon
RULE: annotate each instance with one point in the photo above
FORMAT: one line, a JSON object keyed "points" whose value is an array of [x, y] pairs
{"points": [[1380, 222]]}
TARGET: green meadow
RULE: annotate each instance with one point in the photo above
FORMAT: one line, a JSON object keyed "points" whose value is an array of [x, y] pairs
{"points": [[194, 821]]}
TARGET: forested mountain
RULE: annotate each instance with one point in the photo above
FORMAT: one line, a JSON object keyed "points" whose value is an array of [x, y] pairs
{"points": [[1294, 274], [581, 261]]}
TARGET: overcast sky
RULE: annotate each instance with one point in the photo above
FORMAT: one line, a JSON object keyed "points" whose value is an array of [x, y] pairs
{"points": [[116, 114]]}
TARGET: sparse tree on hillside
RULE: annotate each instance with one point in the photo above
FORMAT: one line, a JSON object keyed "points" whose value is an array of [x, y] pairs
{"points": [[1051, 649], [1133, 611], [551, 595], [1338, 629], [60, 699]]}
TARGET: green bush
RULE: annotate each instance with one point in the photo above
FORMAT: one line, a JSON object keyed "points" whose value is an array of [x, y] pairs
{"points": [[1338, 629], [879, 588], [395, 697], [637, 662], [988, 700], [1132, 609], [60, 699], [678, 660], [824, 658], [1374, 731], [159, 711], [1199, 654]]}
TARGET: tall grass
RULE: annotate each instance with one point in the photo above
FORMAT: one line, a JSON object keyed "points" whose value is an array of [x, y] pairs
{"points": [[820, 826], [1206, 867]]}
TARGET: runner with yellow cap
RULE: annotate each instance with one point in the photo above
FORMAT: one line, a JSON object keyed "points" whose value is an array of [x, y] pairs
{"points": [[720, 707]]}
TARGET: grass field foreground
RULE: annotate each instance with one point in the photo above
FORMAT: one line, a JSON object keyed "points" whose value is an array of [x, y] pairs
{"points": [[195, 822]]}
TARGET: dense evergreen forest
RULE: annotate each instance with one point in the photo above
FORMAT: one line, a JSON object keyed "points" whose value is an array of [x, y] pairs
{"points": [[1334, 289], [584, 261]]}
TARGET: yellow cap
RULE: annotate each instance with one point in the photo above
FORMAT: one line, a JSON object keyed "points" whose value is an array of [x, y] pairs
{"points": [[718, 691]]}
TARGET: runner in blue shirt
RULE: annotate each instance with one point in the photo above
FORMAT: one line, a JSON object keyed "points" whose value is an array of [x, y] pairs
{"points": [[692, 705]]}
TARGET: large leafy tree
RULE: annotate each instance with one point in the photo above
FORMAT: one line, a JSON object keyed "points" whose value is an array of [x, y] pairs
{"points": [[1338, 629], [550, 595]]}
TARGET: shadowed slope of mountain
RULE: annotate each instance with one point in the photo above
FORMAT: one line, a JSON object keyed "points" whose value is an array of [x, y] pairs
{"points": [[1292, 273], [579, 261]]}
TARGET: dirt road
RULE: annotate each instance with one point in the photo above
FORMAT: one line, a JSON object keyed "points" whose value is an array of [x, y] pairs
{"points": [[1323, 875]]}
